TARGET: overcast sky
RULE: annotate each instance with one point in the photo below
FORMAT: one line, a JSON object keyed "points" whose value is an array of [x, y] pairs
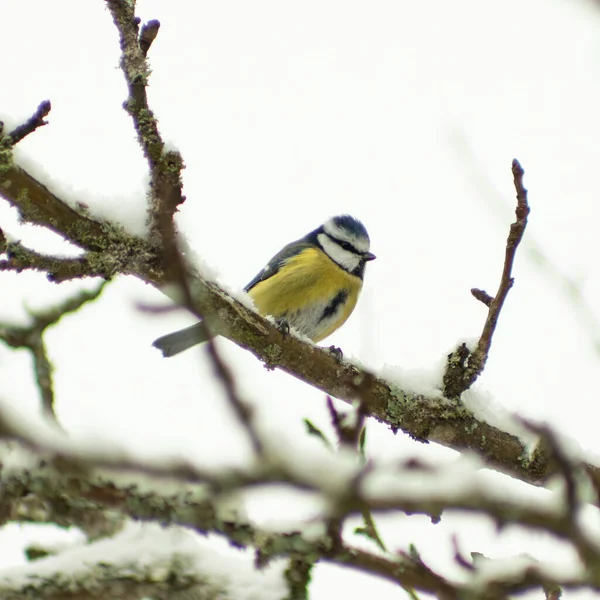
{"points": [[406, 115]]}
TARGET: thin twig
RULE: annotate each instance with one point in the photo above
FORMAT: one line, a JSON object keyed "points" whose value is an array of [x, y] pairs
{"points": [[165, 166], [57, 268], [459, 558], [166, 193], [462, 373], [585, 312], [35, 121], [370, 529], [351, 430], [32, 338]]}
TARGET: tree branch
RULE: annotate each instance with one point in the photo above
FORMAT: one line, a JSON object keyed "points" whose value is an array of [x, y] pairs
{"points": [[463, 372], [31, 337], [165, 166], [35, 121], [171, 569], [166, 187], [429, 418], [71, 482], [57, 269]]}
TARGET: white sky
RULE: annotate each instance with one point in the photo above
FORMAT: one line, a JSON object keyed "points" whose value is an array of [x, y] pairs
{"points": [[404, 114]]}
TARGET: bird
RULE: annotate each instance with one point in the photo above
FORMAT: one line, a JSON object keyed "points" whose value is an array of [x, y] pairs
{"points": [[311, 284]]}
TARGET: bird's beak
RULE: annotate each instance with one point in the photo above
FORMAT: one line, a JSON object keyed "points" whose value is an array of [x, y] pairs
{"points": [[369, 256]]}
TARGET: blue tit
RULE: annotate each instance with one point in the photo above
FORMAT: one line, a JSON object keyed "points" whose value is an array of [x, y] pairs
{"points": [[311, 284]]}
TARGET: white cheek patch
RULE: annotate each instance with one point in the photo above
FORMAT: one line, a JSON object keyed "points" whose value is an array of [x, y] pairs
{"points": [[344, 258], [360, 243]]}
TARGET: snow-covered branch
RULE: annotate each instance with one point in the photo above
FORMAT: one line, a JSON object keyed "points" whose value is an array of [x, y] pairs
{"points": [[70, 485], [146, 561]]}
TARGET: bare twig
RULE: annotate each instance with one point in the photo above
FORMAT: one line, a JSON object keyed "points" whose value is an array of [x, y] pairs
{"points": [[370, 529], [482, 296], [349, 427], [459, 557], [165, 166], [456, 381], [57, 269], [35, 121], [166, 188], [571, 289], [409, 574], [31, 337], [351, 431], [148, 35]]}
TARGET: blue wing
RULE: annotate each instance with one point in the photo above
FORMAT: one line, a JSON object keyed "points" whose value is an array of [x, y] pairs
{"points": [[275, 264]]}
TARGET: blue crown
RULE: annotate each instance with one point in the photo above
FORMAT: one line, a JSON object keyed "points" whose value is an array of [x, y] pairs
{"points": [[352, 225]]}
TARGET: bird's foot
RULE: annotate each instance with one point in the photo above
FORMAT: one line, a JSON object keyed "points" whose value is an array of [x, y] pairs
{"points": [[336, 353], [283, 326]]}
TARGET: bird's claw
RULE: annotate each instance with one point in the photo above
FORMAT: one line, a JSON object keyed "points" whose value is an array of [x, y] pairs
{"points": [[283, 326], [336, 353]]}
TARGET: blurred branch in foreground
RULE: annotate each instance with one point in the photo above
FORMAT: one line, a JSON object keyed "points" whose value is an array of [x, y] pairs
{"points": [[172, 570], [70, 477], [31, 337]]}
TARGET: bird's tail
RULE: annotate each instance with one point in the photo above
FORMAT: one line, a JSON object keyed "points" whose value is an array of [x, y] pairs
{"points": [[178, 341]]}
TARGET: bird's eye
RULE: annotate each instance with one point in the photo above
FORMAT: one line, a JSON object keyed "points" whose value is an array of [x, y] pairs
{"points": [[346, 246]]}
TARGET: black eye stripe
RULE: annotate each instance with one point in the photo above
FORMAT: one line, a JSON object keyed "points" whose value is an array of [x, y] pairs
{"points": [[345, 245]]}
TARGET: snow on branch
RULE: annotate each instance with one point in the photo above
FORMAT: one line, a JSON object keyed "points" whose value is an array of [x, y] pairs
{"points": [[57, 269], [143, 561], [71, 479]]}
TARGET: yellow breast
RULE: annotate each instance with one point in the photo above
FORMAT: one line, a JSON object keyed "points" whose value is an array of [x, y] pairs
{"points": [[308, 280]]}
